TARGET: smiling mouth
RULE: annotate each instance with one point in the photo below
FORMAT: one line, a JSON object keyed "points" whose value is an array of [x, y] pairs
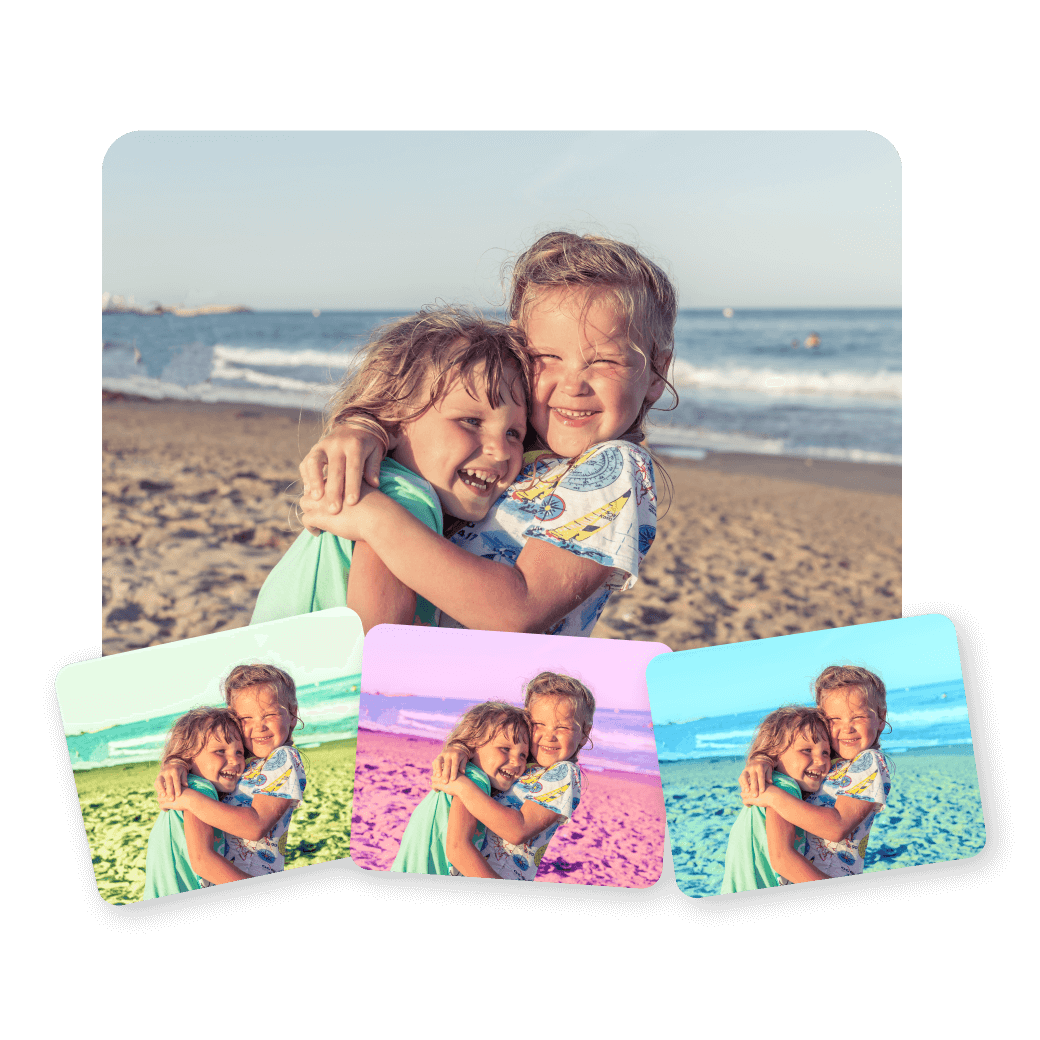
{"points": [[814, 777], [572, 416], [482, 483], [231, 778]]}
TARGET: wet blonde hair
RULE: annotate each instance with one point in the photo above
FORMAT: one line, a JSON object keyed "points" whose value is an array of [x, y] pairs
{"points": [[480, 723], [246, 676], [838, 676], [604, 269], [189, 733], [780, 729], [410, 364], [565, 687]]}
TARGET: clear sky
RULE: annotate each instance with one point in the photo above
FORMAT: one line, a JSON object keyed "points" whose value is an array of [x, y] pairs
{"points": [[161, 680], [395, 220], [765, 673], [481, 666]]}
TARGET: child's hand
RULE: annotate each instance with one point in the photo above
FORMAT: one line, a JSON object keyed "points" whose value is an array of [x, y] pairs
{"points": [[332, 470], [184, 800], [755, 778], [763, 800], [448, 765], [348, 522], [452, 787], [171, 781]]}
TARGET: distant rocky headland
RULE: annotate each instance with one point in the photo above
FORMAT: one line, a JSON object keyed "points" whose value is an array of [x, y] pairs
{"points": [[111, 304]]}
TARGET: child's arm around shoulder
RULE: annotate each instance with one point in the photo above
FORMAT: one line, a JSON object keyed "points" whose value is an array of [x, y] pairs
{"points": [[830, 822], [514, 825], [205, 861], [546, 584], [249, 822]]}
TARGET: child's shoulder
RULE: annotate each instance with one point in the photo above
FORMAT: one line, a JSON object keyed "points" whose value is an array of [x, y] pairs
{"points": [[478, 776], [865, 761], [565, 771], [785, 783], [201, 784], [598, 466], [284, 757]]}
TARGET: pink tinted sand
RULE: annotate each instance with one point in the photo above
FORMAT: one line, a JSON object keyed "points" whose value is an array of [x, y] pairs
{"points": [[616, 837]]}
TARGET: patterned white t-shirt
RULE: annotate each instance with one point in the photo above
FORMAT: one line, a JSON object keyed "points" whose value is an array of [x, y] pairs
{"points": [[865, 778], [601, 506], [558, 788], [280, 775]]}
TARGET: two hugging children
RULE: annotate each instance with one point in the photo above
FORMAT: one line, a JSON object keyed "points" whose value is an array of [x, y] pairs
{"points": [[230, 780], [829, 781], [518, 442], [521, 444], [519, 781]]}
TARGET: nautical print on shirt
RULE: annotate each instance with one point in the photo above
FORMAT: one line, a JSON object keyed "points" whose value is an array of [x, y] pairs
{"points": [[601, 506]]}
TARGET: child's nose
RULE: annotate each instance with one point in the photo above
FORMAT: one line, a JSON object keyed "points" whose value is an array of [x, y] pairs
{"points": [[574, 379], [496, 446]]}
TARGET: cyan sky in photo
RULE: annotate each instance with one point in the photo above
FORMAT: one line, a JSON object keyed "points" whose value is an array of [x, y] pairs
{"points": [[764, 673], [396, 220]]}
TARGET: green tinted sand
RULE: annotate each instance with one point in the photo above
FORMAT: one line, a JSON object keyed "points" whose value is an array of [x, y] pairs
{"points": [[119, 809]]}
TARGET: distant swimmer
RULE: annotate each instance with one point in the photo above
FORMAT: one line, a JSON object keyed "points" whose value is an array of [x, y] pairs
{"points": [[812, 340], [796, 343], [727, 312]]}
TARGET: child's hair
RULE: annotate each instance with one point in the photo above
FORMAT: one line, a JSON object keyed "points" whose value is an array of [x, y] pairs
{"points": [[553, 684], [480, 723], [247, 675], [189, 733], [604, 269], [839, 675], [780, 728], [411, 363]]}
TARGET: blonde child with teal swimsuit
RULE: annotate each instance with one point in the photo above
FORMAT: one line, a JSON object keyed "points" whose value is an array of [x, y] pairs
{"points": [[452, 390], [184, 852], [765, 850], [576, 524], [442, 836]]}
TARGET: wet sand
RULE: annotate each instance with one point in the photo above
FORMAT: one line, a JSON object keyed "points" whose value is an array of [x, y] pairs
{"points": [[197, 501]]}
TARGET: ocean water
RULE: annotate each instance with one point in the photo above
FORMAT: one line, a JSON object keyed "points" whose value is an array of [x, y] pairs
{"points": [[622, 739], [328, 711], [932, 715], [742, 386]]}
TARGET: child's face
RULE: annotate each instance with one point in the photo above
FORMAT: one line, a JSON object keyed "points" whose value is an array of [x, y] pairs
{"points": [[503, 759], [265, 723], [555, 733], [590, 383], [807, 761], [854, 723], [468, 450], [220, 761]]}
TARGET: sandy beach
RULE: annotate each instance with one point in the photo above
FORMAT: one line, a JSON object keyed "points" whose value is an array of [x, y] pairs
{"points": [[119, 808], [933, 815], [197, 500], [616, 837]]}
